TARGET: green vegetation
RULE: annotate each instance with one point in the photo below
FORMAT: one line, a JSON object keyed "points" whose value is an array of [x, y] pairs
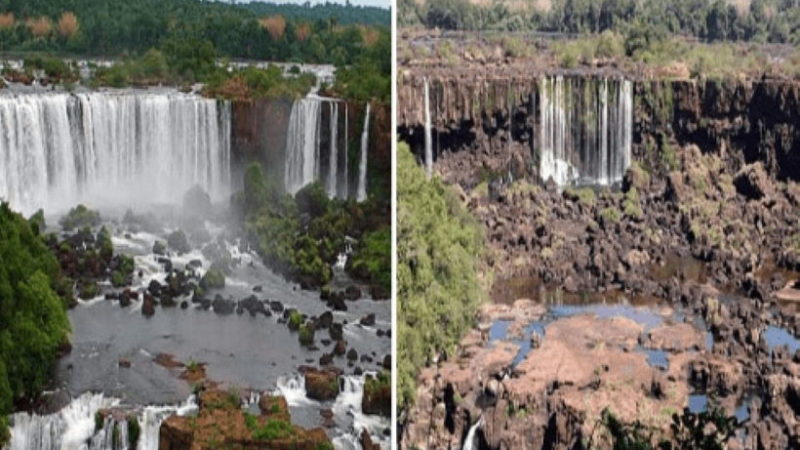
{"points": [[79, 217], [585, 196], [610, 215], [378, 394], [180, 41], [302, 236], [439, 248], [711, 20], [630, 204], [213, 279], [369, 258], [257, 31], [33, 319], [270, 430], [134, 430], [295, 320], [707, 430], [306, 335]]}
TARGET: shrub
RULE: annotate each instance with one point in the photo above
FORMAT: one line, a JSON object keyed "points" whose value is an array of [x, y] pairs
{"points": [[295, 320], [306, 335], [372, 258], [79, 217], [439, 248]]}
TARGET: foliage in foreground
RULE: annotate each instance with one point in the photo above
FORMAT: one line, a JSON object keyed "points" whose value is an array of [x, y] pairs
{"points": [[707, 430], [33, 319], [302, 236], [439, 247]]}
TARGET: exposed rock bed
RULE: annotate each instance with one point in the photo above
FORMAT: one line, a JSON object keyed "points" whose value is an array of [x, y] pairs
{"points": [[703, 231]]}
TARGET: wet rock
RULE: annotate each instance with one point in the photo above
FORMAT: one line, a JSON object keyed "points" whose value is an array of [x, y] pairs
{"points": [[326, 359], [327, 418], [352, 354], [377, 398], [336, 331], [321, 385], [148, 305], [340, 348], [160, 248], [276, 306], [125, 363], [195, 264], [223, 306], [337, 303], [154, 288], [366, 441], [325, 320], [178, 241], [387, 362], [368, 320], [253, 305], [352, 293], [258, 288]]}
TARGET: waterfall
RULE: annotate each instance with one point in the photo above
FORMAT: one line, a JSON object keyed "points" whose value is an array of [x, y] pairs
{"points": [[333, 171], [362, 167], [75, 426], [301, 144], [346, 190], [110, 148], [303, 150], [428, 134], [469, 442], [586, 127]]}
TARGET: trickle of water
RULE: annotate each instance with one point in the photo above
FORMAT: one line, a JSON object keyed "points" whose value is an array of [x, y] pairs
{"points": [[428, 133], [469, 442]]}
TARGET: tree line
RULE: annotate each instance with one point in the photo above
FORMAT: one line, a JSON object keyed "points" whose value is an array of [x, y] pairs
{"points": [[119, 27], [776, 21]]}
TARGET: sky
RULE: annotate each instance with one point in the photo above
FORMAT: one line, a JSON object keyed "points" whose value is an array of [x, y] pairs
{"points": [[380, 3]]}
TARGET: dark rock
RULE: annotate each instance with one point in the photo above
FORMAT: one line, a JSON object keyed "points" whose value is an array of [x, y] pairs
{"points": [[368, 320], [223, 306], [352, 354], [148, 305], [336, 331]]}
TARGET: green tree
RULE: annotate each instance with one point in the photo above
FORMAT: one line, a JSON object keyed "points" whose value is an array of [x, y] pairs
{"points": [[439, 248]]}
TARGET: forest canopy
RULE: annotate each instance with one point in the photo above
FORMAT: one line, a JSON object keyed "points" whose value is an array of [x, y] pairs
{"points": [[333, 34], [776, 21]]}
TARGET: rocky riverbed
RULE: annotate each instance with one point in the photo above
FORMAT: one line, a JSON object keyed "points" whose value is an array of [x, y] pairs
{"points": [[676, 289], [196, 304]]}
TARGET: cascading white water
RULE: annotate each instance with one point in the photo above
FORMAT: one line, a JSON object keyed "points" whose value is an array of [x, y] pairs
{"points": [[346, 190], [333, 172], [469, 441], [303, 150], [302, 144], [586, 130], [362, 167], [110, 148], [428, 133], [74, 427]]}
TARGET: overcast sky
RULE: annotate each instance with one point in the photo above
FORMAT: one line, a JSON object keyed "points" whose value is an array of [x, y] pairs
{"points": [[381, 3]]}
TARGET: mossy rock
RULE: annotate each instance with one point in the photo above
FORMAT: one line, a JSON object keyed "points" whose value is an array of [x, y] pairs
{"points": [[306, 335], [213, 279], [79, 217], [178, 241], [321, 385]]}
